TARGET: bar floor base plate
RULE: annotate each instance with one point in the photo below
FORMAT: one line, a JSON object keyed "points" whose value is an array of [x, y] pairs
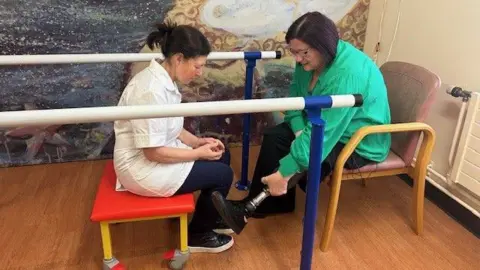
{"points": [[241, 186]]}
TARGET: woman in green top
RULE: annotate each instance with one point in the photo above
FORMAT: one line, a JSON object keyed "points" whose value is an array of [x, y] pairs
{"points": [[325, 65]]}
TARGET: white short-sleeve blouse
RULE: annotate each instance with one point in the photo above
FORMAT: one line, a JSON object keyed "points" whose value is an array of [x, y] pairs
{"points": [[151, 86]]}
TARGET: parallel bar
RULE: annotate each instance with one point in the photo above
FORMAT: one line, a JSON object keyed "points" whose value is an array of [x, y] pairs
{"points": [[40, 59], [334, 101], [271, 54], [112, 113]]}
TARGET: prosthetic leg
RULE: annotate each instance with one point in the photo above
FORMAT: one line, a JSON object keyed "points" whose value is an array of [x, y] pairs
{"points": [[236, 213]]}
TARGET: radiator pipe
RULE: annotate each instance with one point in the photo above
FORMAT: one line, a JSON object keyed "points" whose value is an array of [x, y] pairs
{"points": [[465, 95]]}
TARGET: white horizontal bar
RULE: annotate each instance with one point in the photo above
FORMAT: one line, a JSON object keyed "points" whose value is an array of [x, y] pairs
{"points": [[112, 113], [110, 58], [343, 101], [269, 55]]}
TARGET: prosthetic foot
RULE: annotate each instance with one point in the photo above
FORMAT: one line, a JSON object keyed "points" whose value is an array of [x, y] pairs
{"points": [[236, 213]]}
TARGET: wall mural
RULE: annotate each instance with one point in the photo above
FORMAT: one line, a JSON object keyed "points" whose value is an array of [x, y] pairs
{"points": [[75, 26]]}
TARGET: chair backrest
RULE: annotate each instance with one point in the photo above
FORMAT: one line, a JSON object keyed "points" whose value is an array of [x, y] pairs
{"points": [[411, 92]]}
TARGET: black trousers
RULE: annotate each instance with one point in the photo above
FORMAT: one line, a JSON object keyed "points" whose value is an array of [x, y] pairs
{"points": [[207, 176], [276, 145]]}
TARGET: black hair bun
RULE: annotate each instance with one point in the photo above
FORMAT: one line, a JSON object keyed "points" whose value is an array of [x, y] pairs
{"points": [[159, 38]]}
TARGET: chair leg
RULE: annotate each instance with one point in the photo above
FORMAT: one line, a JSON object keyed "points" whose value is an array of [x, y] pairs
{"points": [[331, 213], [418, 200], [364, 182]]}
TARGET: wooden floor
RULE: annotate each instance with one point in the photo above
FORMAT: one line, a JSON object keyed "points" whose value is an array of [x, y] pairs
{"points": [[44, 224]]}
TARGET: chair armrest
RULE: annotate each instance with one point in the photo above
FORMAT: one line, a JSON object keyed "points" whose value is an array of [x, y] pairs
{"points": [[425, 148]]}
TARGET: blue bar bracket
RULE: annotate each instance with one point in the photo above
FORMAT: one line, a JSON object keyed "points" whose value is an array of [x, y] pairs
{"points": [[251, 60], [313, 185]]}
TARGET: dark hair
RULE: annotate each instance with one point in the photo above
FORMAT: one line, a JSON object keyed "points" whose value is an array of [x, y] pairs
{"points": [[318, 31], [183, 39]]}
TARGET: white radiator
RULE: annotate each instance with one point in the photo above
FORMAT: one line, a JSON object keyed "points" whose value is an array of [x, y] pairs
{"points": [[466, 165]]}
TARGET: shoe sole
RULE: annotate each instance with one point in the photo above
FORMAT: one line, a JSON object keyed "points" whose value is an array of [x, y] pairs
{"points": [[220, 206], [224, 231], [211, 250]]}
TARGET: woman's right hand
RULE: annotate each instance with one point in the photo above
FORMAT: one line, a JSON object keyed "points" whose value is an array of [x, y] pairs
{"points": [[209, 151]]}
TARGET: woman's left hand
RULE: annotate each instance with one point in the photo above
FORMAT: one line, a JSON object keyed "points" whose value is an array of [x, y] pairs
{"points": [[277, 184], [203, 141]]}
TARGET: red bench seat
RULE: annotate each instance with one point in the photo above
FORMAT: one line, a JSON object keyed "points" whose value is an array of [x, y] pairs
{"points": [[114, 205]]}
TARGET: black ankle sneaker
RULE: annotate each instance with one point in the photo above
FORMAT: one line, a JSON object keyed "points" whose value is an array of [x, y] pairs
{"points": [[233, 213], [222, 228], [209, 242]]}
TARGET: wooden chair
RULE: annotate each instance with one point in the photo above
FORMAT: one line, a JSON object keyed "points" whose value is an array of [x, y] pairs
{"points": [[411, 92]]}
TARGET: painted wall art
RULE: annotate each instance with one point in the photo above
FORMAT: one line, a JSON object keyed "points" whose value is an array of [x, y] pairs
{"points": [[87, 26]]}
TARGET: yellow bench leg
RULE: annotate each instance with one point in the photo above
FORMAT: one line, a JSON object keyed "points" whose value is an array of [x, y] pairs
{"points": [[106, 240], [184, 233], [179, 258]]}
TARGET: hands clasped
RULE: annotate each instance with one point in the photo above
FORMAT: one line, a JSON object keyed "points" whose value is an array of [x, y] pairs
{"points": [[210, 149]]}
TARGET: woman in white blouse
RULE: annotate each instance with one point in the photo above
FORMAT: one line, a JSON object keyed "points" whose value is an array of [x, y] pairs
{"points": [[158, 157]]}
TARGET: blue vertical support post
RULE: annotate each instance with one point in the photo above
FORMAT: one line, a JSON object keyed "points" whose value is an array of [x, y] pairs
{"points": [[251, 59], [313, 187], [313, 106]]}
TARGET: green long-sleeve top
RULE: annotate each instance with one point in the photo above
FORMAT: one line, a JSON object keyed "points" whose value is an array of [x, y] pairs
{"points": [[352, 72]]}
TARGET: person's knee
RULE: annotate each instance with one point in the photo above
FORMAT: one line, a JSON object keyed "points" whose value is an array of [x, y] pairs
{"points": [[271, 140], [226, 157], [281, 129], [326, 171], [280, 134], [224, 174]]}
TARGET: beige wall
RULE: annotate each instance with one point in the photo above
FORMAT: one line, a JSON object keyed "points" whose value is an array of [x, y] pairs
{"points": [[428, 37]]}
